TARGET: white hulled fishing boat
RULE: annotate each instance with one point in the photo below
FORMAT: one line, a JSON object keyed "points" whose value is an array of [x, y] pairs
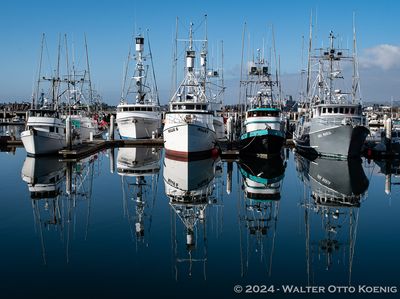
{"points": [[45, 129], [189, 124], [141, 119]]}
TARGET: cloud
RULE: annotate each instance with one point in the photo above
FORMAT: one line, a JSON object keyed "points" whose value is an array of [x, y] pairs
{"points": [[382, 56]]}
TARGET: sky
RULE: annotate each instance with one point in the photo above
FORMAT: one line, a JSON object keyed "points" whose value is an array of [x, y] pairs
{"points": [[110, 26]]}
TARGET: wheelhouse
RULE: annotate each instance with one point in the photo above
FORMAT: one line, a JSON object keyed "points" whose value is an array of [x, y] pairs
{"points": [[138, 108], [264, 112], [336, 110]]}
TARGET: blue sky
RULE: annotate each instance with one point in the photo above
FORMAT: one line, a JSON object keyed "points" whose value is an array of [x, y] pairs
{"points": [[109, 26]]}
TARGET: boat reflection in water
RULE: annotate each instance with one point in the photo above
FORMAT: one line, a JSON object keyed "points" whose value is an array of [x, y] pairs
{"points": [[55, 188], [333, 190], [262, 181], [190, 187], [139, 168]]}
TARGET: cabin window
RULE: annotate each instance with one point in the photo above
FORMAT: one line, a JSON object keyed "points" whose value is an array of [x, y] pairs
{"points": [[204, 107], [324, 110], [190, 107], [329, 110], [51, 129], [351, 110], [335, 110], [341, 110], [198, 107], [346, 110]]}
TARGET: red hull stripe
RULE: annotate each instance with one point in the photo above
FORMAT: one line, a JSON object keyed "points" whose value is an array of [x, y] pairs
{"points": [[187, 156]]}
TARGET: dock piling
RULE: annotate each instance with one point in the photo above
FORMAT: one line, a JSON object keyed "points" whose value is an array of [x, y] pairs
{"points": [[68, 132], [111, 130]]}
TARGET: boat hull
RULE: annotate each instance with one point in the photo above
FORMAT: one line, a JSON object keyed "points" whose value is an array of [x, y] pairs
{"points": [[41, 143], [188, 141], [261, 142], [343, 141], [138, 127]]}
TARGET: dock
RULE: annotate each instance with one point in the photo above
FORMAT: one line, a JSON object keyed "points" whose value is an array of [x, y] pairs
{"points": [[91, 147], [229, 150]]}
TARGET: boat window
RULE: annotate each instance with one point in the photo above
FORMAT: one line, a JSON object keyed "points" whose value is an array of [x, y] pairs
{"points": [[198, 107], [174, 107], [335, 110], [190, 107], [351, 110], [329, 110], [51, 129], [324, 110], [204, 107], [341, 110], [346, 110]]}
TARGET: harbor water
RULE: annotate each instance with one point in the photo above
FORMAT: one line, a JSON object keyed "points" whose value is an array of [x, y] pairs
{"points": [[131, 222]]}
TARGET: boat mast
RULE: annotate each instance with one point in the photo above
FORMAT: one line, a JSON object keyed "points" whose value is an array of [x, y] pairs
{"points": [[174, 61], [139, 45], [331, 57], [356, 82], [89, 78], [68, 75], [55, 96], [222, 72], [39, 72], [309, 61], [276, 70], [203, 57], [241, 69], [152, 68]]}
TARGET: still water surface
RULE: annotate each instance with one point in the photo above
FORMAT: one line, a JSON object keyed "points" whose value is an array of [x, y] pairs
{"points": [[147, 225]]}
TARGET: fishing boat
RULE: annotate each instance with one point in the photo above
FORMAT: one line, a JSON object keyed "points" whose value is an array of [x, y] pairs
{"points": [[189, 131], [45, 129], [142, 118], [82, 104], [264, 125], [334, 124]]}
